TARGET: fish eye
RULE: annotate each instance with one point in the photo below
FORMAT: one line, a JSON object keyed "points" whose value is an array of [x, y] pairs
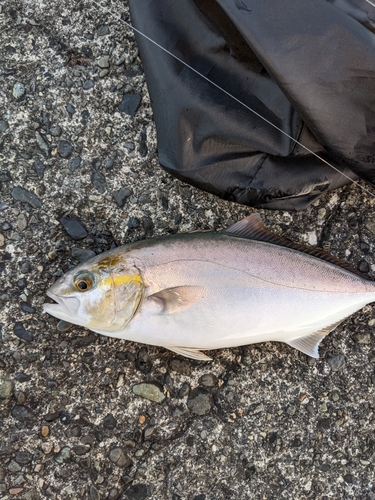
{"points": [[83, 282]]}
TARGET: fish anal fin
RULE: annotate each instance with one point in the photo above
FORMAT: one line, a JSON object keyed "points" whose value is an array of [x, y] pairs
{"points": [[178, 298], [309, 344], [190, 352], [252, 228]]}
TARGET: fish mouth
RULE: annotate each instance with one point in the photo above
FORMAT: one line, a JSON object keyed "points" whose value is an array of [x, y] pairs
{"points": [[65, 308]]}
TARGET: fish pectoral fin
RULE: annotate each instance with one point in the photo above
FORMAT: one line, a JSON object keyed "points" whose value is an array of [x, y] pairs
{"points": [[190, 352], [178, 298], [309, 344]]}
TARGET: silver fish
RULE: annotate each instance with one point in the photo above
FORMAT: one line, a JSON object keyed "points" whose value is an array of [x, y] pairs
{"points": [[202, 291]]}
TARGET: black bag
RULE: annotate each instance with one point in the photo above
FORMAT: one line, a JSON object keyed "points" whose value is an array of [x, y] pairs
{"points": [[306, 66]]}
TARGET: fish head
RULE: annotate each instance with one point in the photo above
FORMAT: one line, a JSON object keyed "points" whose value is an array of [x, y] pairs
{"points": [[102, 294]]}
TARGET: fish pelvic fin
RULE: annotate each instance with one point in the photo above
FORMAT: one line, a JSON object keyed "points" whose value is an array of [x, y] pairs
{"points": [[190, 352], [309, 344]]}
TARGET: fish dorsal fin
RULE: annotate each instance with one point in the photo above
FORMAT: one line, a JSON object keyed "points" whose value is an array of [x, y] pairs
{"points": [[252, 228], [309, 344], [177, 298], [190, 352]]}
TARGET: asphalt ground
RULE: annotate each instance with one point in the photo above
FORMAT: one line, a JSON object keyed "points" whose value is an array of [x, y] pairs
{"points": [[78, 143]]}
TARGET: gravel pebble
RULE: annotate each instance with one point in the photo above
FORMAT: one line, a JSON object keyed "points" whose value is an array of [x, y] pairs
{"points": [[120, 196], [151, 391], [21, 194], [208, 380], [199, 401], [181, 366], [70, 109], [84, 340], [76, 162], [4, 125], [45, 431], [21, 332], [74, 228], [109, 422], [98, 181], [22, 413], [362, 338], [63, 326], [81, 449], [129, 104], [103, 62], [89, 84], [363, 266], [149, 432], [133, 223], [15, 491], [39, 168], [6, 389], [50, 417], [143, 149], [370, 225], [5, 176], [94, 493], [13, 466], [143, 362], [22, 222], [75, 431], [55, 131], [184, 390], [27, 308], [114, 494], [336, 362], [148, 225], [65, 149], [102, 30], [43, 145], [63, 455], [23, 457], [22, 377], [185, 191], [137, 492], [82, 254], [18, 90], [119, 457]]}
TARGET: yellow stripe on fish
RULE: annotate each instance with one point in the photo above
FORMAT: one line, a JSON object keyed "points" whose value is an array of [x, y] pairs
{"points": [[121, 280]]}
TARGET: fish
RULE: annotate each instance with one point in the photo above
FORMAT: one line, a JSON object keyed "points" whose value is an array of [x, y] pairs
{"points": [[200, 291]]}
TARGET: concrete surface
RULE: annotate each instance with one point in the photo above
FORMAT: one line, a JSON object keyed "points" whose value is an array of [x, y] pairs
{"points": [[259, 422]]}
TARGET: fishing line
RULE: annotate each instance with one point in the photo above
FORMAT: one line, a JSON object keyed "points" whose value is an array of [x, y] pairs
{"points": [[129, 25]]}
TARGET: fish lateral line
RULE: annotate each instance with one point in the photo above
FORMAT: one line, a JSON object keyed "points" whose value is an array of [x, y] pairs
{"points": [[269, 281]]}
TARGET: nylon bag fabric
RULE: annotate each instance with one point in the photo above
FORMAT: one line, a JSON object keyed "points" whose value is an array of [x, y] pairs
{"points": [[307, 67]]}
